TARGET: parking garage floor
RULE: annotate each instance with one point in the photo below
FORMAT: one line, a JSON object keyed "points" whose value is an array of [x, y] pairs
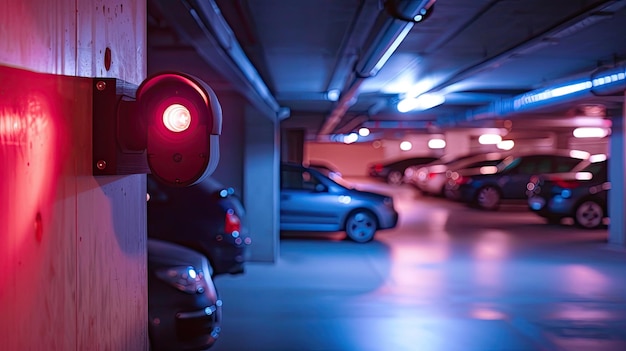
{"points": [[447, 278]]}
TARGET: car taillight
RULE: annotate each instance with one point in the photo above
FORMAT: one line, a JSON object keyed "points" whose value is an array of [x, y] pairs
{"points": [[566, 184], [232, 223], [378, 168], [432, 175], [460, 180]]}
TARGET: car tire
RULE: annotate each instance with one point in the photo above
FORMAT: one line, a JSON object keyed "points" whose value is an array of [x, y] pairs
{"points": [[488, 198], [589, 214], [394, 178], [361, 226]]}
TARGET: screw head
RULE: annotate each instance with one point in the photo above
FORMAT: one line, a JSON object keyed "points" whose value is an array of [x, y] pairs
{"points": [[101, 85], [102, 164]]}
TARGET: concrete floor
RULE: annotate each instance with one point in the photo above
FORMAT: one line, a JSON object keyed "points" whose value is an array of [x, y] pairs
{"points": [[447, 278]]}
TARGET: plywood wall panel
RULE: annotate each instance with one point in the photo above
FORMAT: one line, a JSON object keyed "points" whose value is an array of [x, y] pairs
{"points": [[72, 246]]}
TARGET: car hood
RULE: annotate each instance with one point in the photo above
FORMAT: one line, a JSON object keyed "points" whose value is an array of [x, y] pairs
{"points": [[368, 194], [162, 253]]}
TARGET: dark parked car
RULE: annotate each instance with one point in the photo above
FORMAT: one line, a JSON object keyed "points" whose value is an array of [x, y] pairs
{"points": [[206, 217], [475, 167], [417, 175], [393, 171], [581, 194], [487, 187], [184, 309], [311, 201], [435, 180]]}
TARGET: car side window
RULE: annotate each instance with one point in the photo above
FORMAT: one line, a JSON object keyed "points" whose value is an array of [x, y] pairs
{"points": [[290, 179], [534, 165], [298, 180], [566, 164]]}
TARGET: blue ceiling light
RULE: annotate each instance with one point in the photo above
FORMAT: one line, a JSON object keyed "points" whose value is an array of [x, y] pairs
{"points": [[333, 94]]}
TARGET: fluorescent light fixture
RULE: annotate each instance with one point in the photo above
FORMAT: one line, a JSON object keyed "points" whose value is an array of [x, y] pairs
{"points": [[406, 146], [551, 93], [420, 103], [579, 154], [364, 132], [489, 139], [590, 132], [506, 145], [390, 50], [436, 143]]}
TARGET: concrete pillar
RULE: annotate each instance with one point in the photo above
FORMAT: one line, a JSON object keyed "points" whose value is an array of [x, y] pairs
{"points": [[230, 170], [617, 210], [262, 185]]}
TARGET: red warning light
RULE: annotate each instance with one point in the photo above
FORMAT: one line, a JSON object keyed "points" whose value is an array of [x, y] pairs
{"points": [[176, 118]]}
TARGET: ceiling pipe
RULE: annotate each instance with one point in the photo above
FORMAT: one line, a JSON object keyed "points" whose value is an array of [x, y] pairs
{"points": [[384, 39], [210, 34], [547, 38], [605, 81]]}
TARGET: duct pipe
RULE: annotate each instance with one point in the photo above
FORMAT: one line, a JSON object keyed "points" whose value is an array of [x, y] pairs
{"points": [[606, 81], [202, 23]]}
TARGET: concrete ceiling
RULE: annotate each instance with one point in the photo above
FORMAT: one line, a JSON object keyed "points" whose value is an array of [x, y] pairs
{"points": [[493, 60]]}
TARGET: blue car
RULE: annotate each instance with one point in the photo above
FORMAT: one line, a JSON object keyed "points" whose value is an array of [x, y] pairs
{"points": [[487, 187], [581, 194], [310, 200]]}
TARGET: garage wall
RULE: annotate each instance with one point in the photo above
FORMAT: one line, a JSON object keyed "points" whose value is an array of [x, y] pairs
{"points": [[72, 246]]}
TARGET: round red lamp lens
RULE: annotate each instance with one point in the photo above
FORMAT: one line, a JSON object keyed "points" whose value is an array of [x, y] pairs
{"points": [[176, 118]]}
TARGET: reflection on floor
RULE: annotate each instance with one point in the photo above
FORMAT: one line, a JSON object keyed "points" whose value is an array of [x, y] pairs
{"points": [[448, 278]]}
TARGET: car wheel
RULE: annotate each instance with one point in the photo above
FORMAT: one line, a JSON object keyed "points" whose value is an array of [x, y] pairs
{"points": [[589, 215], [361, 226], [394, 178], [488, 198]]}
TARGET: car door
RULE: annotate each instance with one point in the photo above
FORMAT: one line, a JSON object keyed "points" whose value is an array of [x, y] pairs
{"points": [[513, 183], [306, 203]]}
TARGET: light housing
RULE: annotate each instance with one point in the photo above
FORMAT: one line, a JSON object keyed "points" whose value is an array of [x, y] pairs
{"points": [[169, 126]]}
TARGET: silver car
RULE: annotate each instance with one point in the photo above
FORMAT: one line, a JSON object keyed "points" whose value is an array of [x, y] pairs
{"points": [[310, 200]]}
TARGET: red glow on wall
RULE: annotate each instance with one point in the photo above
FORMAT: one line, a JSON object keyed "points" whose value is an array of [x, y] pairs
{"points": [[31, 121]]}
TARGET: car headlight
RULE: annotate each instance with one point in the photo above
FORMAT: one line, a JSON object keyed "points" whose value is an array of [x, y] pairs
{"points": [[184, 278]]}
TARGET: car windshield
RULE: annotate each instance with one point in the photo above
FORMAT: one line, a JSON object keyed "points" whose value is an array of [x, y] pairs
{"points": [[336, 178], [595, 168]]}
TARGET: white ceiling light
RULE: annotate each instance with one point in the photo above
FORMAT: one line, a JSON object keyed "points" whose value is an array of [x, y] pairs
{"points": [[436, 143], [583, 155], [406, 146], [506, 145], [420, 103], [597, 158], [489, 139], [590, 132], [350, 138], [364, 132]]}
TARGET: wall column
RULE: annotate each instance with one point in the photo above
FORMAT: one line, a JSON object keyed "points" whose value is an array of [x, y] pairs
{"points": [[262, 185], [617, 210]]}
